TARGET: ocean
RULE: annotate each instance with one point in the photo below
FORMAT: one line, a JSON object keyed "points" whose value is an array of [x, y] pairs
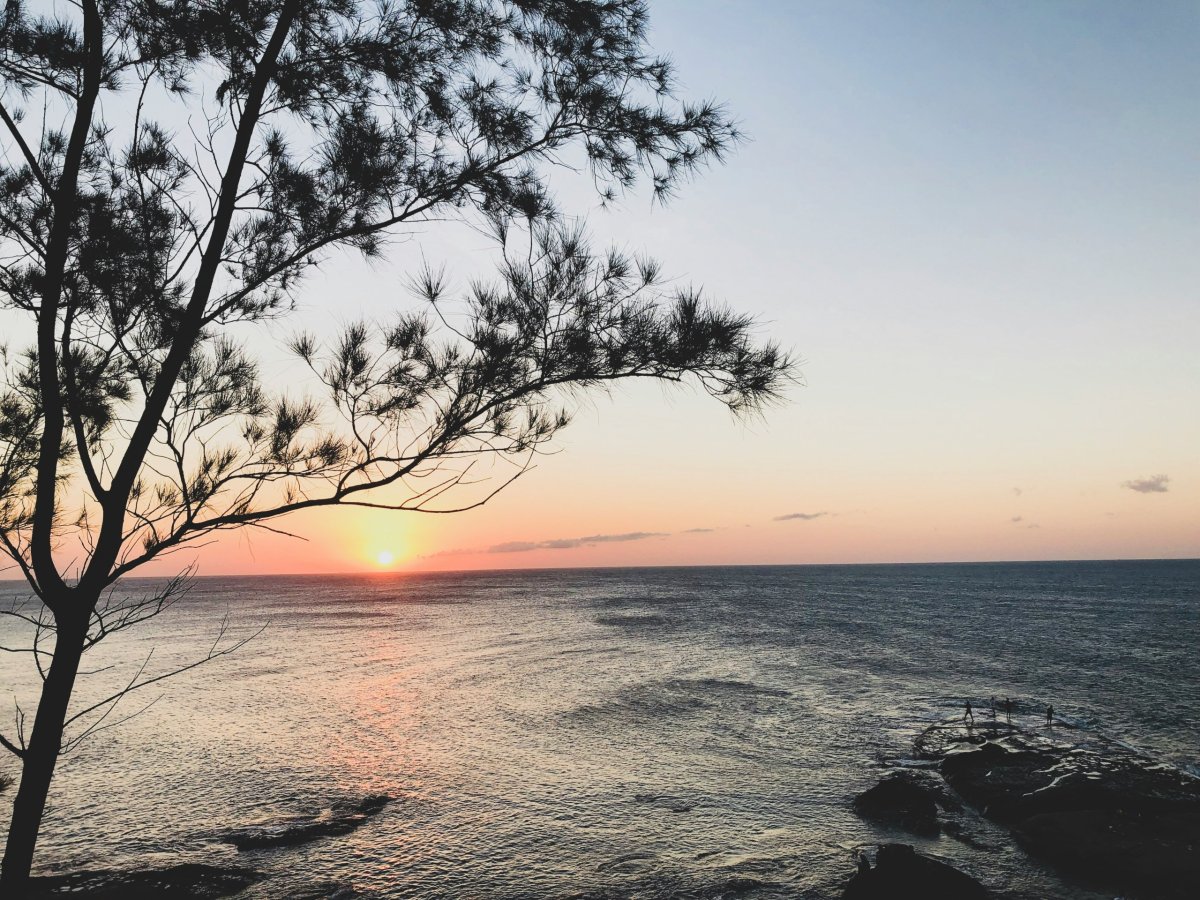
{"points": [[649, 733]]}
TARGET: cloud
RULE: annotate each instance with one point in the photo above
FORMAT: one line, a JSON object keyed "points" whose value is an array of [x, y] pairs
{"points": [[453, 551], [512, 547], [569, 543], [1155, 484], [621, 538], [804, 517], [564, 543]]}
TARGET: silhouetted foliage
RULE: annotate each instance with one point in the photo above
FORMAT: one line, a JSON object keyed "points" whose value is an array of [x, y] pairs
{"points": [[175, 168]]}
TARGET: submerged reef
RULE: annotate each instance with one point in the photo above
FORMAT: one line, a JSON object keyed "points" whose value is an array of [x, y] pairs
{"points": [[342, 817]]}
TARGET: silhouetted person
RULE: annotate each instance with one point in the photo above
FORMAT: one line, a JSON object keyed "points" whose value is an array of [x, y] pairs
{"points": [[969, 715], [1049, 716], [1008, 707], [993, 707]]}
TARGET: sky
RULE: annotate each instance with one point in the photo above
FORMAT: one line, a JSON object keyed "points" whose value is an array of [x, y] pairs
{"points": [[976, 224]]}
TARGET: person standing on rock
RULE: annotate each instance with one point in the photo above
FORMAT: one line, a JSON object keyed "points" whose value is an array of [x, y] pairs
{"points": [[1008, 706], [969, 716], [1049, 716]]}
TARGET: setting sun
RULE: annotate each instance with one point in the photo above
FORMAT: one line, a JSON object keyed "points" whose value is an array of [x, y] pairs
{"points": [[385, 557]]}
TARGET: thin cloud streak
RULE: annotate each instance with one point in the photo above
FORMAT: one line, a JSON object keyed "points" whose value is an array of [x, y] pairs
{"points": [[592, 540], [552, 544], [1155, 484], [570, 543], [803, 517]]}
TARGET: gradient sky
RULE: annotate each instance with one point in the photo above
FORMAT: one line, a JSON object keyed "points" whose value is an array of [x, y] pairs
{"points": [[978, 225]]}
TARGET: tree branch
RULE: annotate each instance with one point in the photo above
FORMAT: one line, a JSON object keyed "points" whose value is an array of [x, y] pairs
{"points": [[109, 542], [11, 747], [66, 203], [30, 158], [213, 653]]}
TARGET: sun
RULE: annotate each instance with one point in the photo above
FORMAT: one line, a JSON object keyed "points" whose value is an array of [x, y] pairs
{"points": [[385, 557]]}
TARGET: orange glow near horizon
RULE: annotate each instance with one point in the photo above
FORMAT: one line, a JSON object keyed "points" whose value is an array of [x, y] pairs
{"points": [[998, 338]]}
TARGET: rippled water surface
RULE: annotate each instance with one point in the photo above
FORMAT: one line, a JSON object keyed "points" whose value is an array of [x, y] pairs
{"points": [[608, 733]]}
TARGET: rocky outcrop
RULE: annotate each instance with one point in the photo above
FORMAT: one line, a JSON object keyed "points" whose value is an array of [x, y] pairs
{"points": [[900, 871], [1120, 847], [341, 818], [1093, 809], [995, 780], [901, 800]]}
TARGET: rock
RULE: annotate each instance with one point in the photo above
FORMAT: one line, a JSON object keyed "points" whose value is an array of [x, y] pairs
{"points": [[1013, 784], [994, 779], [190, 881], [901, 872], [1093, 808], [900, 800], [342, 818], [1120, 847]]}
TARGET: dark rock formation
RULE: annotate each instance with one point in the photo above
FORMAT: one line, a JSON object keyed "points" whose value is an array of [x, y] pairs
{"points": [[1095, 809], [342, 818], [1120, 847], [899, 799], [901, 872], [994, 779], [190, 881]]}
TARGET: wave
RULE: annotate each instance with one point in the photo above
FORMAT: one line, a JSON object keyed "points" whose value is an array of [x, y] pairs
{"points": [[659, 699], [650, 620]]}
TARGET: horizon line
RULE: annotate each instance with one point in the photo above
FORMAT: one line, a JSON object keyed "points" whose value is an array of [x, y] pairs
{"points": [[810, 565]]}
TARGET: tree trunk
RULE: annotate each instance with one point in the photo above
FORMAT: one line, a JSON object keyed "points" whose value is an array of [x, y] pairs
{"points": [[40, 758]]}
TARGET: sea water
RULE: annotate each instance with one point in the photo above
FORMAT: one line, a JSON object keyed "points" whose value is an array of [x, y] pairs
{"points": [[674, 732]]}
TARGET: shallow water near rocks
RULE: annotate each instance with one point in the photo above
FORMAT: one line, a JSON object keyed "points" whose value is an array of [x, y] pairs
{"points": [[602, 733]]}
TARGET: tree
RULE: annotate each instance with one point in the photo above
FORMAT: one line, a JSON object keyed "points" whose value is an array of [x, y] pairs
{"points": [[134, 238]]}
